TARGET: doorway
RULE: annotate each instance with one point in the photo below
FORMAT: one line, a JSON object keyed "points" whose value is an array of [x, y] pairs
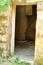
{"points": [[25, 30]]}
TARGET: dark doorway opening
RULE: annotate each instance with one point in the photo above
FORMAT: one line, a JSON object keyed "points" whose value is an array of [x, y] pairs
{"points": [[25, 30]]}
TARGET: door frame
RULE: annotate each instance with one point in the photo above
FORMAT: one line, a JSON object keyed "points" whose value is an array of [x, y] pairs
{"points": [[13, 23]]}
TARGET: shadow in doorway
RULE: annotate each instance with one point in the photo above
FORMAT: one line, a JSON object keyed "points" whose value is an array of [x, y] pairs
{"points": [[25, 31]]}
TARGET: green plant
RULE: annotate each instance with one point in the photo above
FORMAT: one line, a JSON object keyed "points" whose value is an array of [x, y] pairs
{"points": [[24, 63], [4, 5], [18, 62], [1, 50], [10, 55]]}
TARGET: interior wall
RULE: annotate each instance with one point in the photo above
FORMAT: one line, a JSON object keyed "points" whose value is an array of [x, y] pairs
{"points": [[25, 22], [31, 28], [21, 21]]}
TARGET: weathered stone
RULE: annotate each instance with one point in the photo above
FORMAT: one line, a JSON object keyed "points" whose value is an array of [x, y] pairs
{"points": [[39, 38], [3, 35]]}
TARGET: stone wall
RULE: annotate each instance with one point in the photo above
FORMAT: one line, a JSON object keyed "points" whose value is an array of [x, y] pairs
{"points": [[4, 34], [39, 36]]}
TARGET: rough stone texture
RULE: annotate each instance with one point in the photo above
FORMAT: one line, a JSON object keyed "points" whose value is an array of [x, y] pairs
{"points": [[39, 37], [3, 34]]}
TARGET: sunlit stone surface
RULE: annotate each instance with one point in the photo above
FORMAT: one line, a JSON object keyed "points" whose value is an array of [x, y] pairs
{"points": [[39, 37], [3, 34]]}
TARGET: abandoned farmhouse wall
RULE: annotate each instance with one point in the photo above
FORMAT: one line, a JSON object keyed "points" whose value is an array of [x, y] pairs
{"points": [[7, 34]]}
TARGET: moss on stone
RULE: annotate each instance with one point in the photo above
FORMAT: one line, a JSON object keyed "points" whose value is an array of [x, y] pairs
{"points": [[39, 61]]}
